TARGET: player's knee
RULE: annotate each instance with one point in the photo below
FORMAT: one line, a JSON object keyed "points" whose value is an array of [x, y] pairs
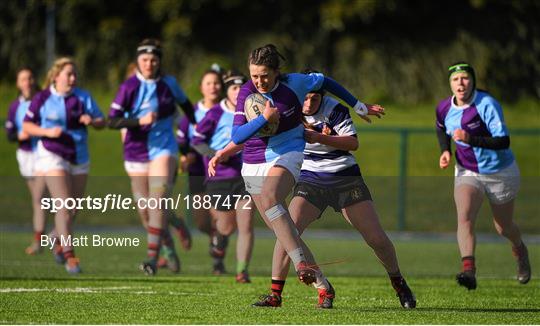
{"points": [[275, 212], [379, 242], [268, 200], [227, 230]]}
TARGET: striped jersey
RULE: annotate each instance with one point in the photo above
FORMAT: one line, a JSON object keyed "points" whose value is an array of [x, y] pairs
{"points": [[323, 164]]}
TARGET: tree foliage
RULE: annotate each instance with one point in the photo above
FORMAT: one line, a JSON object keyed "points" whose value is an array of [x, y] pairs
{"points": [[382, 49]]}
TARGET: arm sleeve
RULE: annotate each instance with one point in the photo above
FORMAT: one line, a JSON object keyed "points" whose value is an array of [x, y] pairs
{"points": [[119, 106], [335, 88], [242, 133], [92, 108], [10, 125], [341, 121], [181, 98], [33, 113], [119, 123], [495, 143], [182, 135], [444, 140], [203, 134], [187, 107]]}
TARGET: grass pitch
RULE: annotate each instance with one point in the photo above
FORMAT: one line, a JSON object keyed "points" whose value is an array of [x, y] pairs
{"points": [[112, 291]]}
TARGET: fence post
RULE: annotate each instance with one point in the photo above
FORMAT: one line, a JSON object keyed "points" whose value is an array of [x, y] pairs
{"points": [[402, 181]]}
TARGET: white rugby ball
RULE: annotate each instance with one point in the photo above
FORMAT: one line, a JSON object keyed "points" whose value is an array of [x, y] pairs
{"points": [[253, 107]]}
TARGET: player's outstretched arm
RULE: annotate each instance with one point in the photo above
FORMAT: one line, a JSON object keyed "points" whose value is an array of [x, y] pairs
{"points": [[362, 109]]}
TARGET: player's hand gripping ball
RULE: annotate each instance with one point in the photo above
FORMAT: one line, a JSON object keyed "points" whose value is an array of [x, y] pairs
{"points": [[253, 107]]}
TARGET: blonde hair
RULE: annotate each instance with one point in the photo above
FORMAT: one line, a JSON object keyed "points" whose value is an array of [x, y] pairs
{"points": [[55, 70]]}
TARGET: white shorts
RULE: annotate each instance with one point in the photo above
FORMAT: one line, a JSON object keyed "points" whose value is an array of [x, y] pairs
{"points": [[500, 187], [48, 161], [136, 167], [27, 161], [142, 167], [254, 174]]}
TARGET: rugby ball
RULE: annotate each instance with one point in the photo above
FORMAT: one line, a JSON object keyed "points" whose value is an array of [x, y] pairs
{"points": [[253, 107]]}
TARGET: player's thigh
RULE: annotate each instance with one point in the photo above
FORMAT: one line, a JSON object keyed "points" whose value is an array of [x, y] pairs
{"points": [[303, 213], [161, 171], [468, 199], [503, 214], [364, 218], [277, 184]]}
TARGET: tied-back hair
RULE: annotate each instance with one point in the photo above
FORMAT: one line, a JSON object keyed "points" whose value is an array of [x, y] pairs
{"points": [[55, 70], [267, 55], [35, 87]]}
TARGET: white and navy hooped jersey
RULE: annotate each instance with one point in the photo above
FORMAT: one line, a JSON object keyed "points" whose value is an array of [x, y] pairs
{"points": [[50, 109], [137, 97], [288, 97], [17, 111], [482, 117], [323, 164]]}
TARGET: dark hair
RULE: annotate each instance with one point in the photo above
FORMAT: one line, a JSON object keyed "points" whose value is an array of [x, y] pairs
{"points": [[308, 71], [211, 72], [267, 55]]}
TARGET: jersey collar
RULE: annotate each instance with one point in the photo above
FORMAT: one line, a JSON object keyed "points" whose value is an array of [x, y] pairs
{"points": [[466, 105]]}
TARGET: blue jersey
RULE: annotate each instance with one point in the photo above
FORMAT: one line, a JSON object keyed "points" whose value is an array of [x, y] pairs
{"points": [[50, 109], [136, 98], [16, 113], [215, 131], [482, 117], [288, 97], [185, 135]]}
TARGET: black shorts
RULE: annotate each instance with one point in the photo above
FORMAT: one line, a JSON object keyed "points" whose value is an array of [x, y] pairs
{"points": [[354, 191], [225, 193], [196, 184]]}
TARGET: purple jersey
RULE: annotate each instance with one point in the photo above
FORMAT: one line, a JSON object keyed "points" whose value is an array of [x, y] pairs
{"points": [[17, 111], [288, 96], [482, 117], [50, 109], [214, 131], [136, 98], [184, 135]]}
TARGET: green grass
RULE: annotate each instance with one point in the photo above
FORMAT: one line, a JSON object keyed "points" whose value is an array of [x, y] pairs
{"points": [[112, 291]]}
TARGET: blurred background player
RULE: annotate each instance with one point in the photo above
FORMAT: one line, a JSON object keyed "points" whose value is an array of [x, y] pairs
{"points": [[175, 221], [59, 115], [146, 106], [191, 161], [330, 176], [26, 152], [213, 133], [271, 163], [485, 165]]}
